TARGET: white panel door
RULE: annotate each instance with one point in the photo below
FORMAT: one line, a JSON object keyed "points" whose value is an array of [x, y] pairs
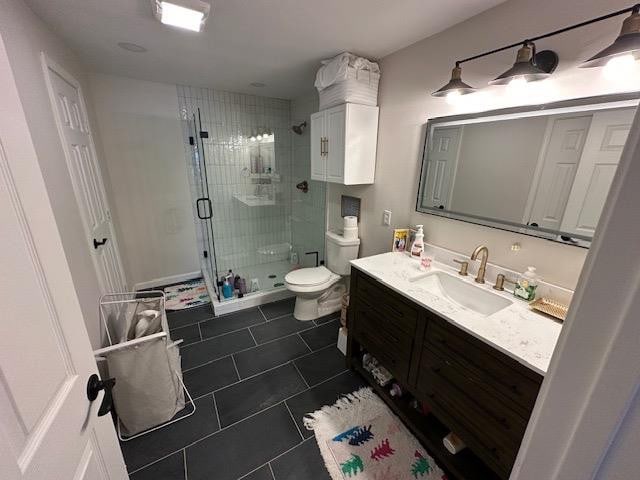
{"points": [[601, 154], [335, 143], [48, 428], [318, 134], [563, 152], [75, 134], [443, 156]]}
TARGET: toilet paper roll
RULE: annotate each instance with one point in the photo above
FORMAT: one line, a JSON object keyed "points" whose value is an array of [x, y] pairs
{"points": [[350, 222], [453, 443], [350, 233]]}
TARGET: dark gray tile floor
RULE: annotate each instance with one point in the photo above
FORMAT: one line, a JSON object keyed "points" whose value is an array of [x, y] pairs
{"points": [[254, 375]]}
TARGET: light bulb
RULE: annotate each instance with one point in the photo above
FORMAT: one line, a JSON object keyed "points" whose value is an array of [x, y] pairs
{"points": [[253, 139], [620, 67], [453, 97], [517, 82], [259, 137]]}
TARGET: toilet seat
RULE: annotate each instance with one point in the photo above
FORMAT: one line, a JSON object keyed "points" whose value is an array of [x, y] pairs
{"points": [[308, 277], [308, 280]]}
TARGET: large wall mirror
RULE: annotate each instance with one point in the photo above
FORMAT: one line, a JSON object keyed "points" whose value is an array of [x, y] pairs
{"points": [[542, 170]]}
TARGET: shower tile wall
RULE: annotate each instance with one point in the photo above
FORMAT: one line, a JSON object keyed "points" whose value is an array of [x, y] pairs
{"points": [[240, 230], [308, 209]]}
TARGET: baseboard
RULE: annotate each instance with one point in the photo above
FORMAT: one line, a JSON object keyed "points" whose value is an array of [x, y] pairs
{"points": [[158, 282]]}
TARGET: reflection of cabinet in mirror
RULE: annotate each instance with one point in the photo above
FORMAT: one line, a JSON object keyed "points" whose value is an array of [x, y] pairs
{"points": [[543, 170]]}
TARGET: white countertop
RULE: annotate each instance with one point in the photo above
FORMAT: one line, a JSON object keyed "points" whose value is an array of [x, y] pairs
{"points": [[523, 334]]}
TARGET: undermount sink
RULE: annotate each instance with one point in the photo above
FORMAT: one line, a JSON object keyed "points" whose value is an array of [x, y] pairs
{"points": [[463, 293]]}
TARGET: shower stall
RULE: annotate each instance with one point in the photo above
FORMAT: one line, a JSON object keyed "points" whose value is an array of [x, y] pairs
{"points": [[251, 220]]}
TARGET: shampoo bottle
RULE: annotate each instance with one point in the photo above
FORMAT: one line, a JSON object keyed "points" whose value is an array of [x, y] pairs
{"points": [[418, 244]]}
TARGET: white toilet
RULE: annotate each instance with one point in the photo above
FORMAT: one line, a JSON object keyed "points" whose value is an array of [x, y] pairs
{"points": [[318, 290]]}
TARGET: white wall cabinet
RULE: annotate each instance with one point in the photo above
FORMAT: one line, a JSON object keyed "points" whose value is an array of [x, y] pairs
{"points": [[343, 144]]}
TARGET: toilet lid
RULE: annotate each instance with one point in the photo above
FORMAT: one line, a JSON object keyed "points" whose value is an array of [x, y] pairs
{"points": [[308, 276]]}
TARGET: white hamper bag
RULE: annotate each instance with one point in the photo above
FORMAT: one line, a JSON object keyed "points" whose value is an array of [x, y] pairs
{"points": [[147, 391], [143, 360], [347, 78]]}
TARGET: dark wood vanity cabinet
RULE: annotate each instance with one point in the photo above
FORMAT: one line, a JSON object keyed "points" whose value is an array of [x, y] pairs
{"points": [[481, 394]]}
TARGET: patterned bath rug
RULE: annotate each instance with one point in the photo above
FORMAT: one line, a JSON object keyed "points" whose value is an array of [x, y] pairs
{"points": [[186, 295], [361, 439]]}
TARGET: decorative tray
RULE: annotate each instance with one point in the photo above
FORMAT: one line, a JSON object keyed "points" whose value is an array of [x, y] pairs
{"points": [[550, 307]]}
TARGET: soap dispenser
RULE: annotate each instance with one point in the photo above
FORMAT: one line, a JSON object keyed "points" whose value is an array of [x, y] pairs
{"points": [[418, 244], [527, 284]]}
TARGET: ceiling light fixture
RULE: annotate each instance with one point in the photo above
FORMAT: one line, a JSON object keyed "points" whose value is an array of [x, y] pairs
{"points": [[531, 66], [188, 14], [257, 84]]}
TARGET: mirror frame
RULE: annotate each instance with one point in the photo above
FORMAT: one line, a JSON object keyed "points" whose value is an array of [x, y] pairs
{"points": [[600, 102]]}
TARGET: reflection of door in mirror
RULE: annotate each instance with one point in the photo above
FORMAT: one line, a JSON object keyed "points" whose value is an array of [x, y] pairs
{"points": [[558, 164], [601, 154], [443, 157]]}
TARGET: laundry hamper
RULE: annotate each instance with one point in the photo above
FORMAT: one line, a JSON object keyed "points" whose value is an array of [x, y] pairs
{"points": [[145, 362]]}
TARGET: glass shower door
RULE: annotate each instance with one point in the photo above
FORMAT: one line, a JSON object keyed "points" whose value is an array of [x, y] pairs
{"points": [[203, 206]]}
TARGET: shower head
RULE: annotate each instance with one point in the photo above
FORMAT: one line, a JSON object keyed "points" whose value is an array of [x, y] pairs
{"points": [[299, 129]]}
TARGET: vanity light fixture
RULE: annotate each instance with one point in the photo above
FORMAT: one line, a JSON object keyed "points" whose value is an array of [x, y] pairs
{"points": [[624, 48], [456, 86], [188, 14], [531, 66], [526, 68]]}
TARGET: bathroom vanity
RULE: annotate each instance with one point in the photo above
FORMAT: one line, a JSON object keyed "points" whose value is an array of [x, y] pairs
{"points": [[474, 356]]}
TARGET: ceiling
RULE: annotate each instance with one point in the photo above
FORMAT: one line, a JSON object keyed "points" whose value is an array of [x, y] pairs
{"points": [[276, 42]]}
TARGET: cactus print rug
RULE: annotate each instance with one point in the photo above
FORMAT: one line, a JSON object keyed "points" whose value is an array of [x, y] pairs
{"points": [[361, 439], [186, 295]]}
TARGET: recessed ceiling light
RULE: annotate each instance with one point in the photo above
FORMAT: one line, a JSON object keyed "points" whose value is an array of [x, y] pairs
{"points": [[187, 14], [257, 84], [132, 47]]}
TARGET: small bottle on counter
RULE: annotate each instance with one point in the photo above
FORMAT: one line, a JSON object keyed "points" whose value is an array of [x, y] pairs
{"points": [[527, 284]]}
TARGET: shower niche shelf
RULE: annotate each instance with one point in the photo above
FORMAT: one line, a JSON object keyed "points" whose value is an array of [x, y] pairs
{"points": [[254, 200]]}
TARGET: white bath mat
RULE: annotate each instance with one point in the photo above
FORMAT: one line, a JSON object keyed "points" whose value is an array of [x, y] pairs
{"points": [[186, 295], [361, 439]]}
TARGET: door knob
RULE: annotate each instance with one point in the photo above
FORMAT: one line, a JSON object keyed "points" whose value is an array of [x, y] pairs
{"points": [[97, 244], [94, 385]]}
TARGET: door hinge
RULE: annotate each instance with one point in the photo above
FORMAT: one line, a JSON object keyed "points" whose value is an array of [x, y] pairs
{"points": [[192, 141], [205, 254]]}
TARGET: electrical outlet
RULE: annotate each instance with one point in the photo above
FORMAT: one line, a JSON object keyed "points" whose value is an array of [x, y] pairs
{"points": [[386, 217]]}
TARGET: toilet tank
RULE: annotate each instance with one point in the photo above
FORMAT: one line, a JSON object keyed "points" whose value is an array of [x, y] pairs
{"points": [[340, 251]]}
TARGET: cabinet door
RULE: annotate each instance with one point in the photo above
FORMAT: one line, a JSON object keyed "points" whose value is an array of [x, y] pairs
{"points": [[335, 146], [318, 133]]}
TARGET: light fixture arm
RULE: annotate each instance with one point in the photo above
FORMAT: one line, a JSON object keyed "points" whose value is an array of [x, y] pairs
{"points": [[634, 9]]}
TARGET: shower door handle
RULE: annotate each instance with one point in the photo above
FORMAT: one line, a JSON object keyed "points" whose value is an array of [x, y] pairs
{"points": [[208, 209]]}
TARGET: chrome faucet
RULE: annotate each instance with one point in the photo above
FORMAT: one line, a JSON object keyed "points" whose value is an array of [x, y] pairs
{"points": [[483, 262]]}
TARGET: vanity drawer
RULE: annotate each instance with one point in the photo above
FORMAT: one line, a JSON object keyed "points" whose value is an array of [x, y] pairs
{"points": [[493, 370], [480, 431], [503, 420], [389, 303], [382, 337]]}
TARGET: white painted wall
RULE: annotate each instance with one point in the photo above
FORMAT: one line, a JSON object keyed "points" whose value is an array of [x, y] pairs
{"points": [[25, 37], [142, 142], [411, 74]]}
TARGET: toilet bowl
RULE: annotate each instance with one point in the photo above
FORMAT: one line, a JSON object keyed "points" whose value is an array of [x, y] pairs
{"points": [[319, 290]]}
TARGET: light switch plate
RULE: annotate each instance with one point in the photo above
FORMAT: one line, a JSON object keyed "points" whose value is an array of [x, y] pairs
{"points": [[386, 217]]}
